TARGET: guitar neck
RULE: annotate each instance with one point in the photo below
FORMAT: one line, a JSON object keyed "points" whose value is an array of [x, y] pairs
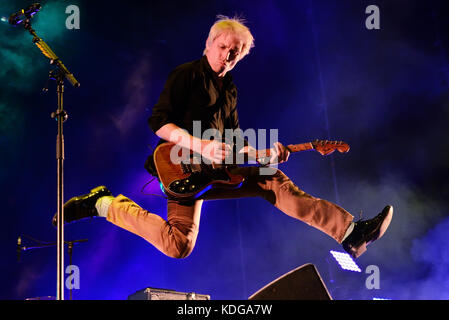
{"points": [[292, 147]]}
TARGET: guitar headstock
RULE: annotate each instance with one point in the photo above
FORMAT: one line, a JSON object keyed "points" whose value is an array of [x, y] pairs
{"points": [[326, 147]]}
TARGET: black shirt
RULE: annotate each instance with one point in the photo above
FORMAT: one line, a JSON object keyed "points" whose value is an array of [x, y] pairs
{"points": [[192, 93]]}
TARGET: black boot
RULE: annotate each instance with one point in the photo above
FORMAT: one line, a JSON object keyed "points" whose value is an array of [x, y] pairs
{"points": [[365, 232], [83, 206]]}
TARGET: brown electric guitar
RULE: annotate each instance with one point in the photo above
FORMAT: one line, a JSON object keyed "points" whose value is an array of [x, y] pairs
{"points": [[187, 177]]}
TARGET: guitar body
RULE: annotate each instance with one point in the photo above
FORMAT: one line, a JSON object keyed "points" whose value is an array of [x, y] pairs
{"points": [[186, 179]]}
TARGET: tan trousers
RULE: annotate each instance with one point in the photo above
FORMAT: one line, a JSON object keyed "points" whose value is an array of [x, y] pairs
{"points": [[176, 237]]}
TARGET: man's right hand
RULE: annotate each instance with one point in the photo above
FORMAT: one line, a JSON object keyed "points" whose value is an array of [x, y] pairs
{"points": [[215, 151], [212, 150]]}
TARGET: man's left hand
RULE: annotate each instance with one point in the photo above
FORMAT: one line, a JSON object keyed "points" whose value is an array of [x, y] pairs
{"points": [[279, 153]]}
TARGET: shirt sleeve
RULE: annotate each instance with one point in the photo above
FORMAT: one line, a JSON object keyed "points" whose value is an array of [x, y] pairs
{"points": [[170, 107]]}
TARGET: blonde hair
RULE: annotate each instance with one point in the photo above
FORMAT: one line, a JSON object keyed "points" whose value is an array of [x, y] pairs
{"points": [[234, 25]]}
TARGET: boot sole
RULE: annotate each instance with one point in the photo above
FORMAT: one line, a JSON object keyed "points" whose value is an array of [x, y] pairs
{"points": [[385, 224]]}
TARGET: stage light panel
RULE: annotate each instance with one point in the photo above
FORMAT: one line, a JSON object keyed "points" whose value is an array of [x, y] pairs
{"points": [[345, 261]]}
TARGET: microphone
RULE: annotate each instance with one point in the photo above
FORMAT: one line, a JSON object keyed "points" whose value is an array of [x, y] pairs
{"points": [[19, 247], [27, 13]]}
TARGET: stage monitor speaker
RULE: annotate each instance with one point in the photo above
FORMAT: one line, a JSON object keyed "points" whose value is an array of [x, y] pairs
{"points": [[303, 283], [166, 294]]}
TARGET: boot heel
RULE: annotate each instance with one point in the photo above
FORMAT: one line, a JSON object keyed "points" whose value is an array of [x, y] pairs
{"points": [[357, 252]]}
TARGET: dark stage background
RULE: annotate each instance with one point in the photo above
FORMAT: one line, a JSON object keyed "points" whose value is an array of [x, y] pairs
{"points": [[316, 72]]}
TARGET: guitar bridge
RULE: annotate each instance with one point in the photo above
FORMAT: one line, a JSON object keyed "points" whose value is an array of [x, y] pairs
{"points": [[186, 168]]}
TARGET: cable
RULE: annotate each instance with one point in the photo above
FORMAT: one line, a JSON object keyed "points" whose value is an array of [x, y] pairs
{"points": [[150, 194], [35, 240]]}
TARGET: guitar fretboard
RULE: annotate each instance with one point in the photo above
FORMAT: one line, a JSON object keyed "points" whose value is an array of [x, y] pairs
{"points": [[291, 147]]}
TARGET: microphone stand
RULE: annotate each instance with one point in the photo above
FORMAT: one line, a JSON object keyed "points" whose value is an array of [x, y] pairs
{"points": [[59, 75], [70, 245]]}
